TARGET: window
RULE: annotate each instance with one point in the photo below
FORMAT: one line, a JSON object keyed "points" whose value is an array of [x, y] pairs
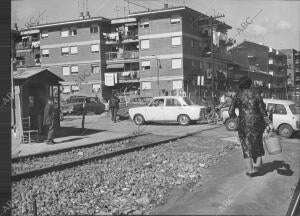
{"points": [[146, 85], [145, 65], [96, 88], [144, 23], [65, 51], [176, 41], [192, 43], [157, 102], [73, 31], [95, 69], [74, 69], [188, 101], [289, 57], [172, 102], [145, 44], [294, 109], [66, 89], [175, 19], [177, 84], [44, 34], [176, 63], [45, 53], [201, 65], [289, 66], [280, 109], [75, 88], [94, 29], [193, 64], [95, 48], [66, 70], [64, 33], [74, 50]]}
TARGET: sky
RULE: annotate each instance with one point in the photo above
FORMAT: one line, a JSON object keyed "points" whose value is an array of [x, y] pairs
{"points": [[274, 23]]}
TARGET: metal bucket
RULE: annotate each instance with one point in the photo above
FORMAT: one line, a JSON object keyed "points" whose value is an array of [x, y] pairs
{"points": [[273, 145]]}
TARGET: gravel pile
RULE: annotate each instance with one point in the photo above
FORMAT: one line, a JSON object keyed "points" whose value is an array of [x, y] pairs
{"points": [[127, 184]]}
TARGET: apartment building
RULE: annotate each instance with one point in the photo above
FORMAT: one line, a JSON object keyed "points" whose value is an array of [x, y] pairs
{"points": [[293, 70], [172, 47], [264, 59], [71, 49]]}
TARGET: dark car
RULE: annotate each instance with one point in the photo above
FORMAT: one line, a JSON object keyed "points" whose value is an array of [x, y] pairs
{"points": [[74, 105]]}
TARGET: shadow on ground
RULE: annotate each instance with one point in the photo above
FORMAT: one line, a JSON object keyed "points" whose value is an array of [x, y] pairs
{"points": [[281, 167]]}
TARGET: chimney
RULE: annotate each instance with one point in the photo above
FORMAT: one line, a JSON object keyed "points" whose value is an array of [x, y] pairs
{"points": [[87, 15], [166, 6], [81, 16]]}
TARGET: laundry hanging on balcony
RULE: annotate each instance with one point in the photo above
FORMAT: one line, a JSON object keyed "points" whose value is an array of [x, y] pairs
{"points": [[110, 79]]}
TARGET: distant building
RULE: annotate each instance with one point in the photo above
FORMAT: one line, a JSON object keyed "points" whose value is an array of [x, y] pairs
{"points": [[293, 70], [264, 59]]}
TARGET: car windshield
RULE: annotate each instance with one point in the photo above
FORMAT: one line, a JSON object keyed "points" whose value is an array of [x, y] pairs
{"points": [[188, 101], [294, 109]]}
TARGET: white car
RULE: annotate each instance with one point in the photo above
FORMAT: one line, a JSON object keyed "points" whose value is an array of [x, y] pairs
{"points": [[169, 109], [286, 117]]}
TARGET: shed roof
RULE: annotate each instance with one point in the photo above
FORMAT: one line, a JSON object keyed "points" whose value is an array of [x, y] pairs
{"points": [[28, 73]]}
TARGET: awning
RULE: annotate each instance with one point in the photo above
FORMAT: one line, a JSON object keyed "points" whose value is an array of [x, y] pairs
{"points": [[115, 66]]}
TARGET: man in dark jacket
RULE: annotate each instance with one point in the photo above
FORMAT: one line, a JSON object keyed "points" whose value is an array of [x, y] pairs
{"points": [[49, 120], [114, 106]]}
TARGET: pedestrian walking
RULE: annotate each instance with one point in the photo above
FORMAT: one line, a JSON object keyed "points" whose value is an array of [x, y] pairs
{"points": [[251, 124], [114, 106], [84, 112], [49, 121]]}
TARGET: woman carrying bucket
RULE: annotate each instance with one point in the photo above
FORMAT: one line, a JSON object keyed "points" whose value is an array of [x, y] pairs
{"points": [[251, 124]]}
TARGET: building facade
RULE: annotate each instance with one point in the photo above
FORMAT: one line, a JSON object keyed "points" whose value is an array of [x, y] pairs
{"points": [[264, 59], [293, 71], [173, 43]]}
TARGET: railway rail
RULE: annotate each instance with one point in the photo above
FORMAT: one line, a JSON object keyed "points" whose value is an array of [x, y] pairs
{"points": [[61, 166]]}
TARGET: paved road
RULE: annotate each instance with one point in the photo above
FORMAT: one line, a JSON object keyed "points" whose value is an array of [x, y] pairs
{"points": [[229, 191], [103, 123]]}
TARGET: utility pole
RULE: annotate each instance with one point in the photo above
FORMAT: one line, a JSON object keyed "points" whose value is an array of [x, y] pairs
{"points": [[211, 26]]}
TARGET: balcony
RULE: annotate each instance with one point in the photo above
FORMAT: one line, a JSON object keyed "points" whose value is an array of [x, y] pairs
{"points": [[121, 37], [124, 56], [123, 77], [129, 76], [27, 45]]}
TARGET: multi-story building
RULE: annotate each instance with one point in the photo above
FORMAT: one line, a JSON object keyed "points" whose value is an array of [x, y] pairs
{"points": [[293, 71], [172, 47], [261, 58], [71, 49]]}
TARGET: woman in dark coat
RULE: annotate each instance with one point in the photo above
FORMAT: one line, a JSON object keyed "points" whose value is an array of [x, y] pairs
{"points": [[251, 123]]}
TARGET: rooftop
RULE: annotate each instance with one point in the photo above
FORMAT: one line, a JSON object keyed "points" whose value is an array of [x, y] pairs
{"points": [[172, 9], [77, 21]]}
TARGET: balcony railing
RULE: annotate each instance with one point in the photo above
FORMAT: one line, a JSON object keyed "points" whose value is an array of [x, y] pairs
{"points": [[128, 76], [118, 37], [23, 45], [126, 55]]}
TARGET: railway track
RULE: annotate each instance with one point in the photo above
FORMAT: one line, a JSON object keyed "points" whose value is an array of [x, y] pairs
{"points": [[154, 141]]}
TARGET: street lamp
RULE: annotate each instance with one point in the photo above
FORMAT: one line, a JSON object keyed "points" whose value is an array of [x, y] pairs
{"points": [[157, 68]]}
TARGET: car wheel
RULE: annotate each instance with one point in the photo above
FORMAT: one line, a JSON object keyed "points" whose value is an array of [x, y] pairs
{"points": [[285, 130], [231, 125], [138, 119], [184, 120]]}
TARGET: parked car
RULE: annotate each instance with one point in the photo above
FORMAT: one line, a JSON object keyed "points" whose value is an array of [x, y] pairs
{"points": [[167, 109], [74, 105], [131, 102], [286, 117]]}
